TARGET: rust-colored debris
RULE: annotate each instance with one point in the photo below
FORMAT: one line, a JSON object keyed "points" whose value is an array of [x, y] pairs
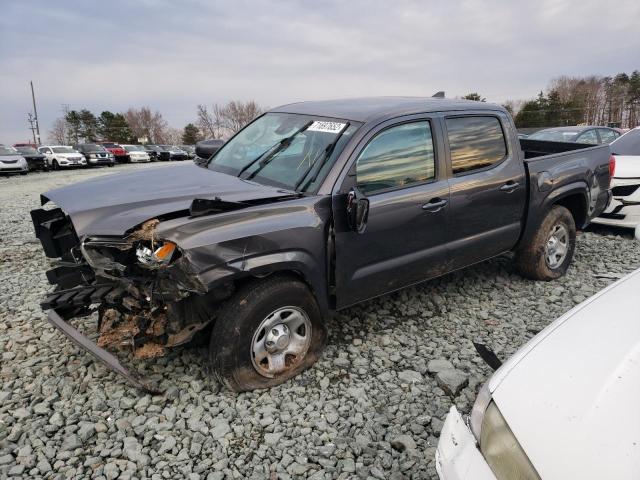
{"points": [[146, 231], [149, 350], [117, 335], [158, 326]]}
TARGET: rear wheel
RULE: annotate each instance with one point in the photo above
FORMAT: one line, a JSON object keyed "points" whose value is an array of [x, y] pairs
{"points": [[269, 331], [56, 166], [549, 253]]}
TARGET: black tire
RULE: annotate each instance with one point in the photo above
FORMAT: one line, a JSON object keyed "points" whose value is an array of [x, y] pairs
{"points": [[55, 164], [110, 165], [531, 258], [230, 349]]}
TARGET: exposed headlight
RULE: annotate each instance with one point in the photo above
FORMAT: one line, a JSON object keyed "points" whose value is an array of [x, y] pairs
{"points": [[501, 449], [93, 155], [159, 257]]}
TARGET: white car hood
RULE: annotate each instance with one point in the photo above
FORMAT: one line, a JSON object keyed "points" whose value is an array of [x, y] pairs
{"points": [[627, 166], [571, 395], [68, 155]]}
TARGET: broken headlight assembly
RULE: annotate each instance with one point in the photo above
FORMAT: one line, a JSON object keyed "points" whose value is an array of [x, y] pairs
{"points": [[501, 449], [154, 256]]}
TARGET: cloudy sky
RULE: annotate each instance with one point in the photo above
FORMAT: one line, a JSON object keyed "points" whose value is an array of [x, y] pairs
{"points": [[171, 55]]}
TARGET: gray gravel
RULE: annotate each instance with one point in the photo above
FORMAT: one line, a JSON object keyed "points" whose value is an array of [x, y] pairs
{"points": [[371, 408]]}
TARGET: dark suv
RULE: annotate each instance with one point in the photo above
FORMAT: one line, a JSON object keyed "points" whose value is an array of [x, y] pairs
{"points": [[95, 154]]}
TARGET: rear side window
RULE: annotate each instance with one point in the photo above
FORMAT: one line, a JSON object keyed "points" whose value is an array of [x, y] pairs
{"points": [[608, 136], [590, 137], [475, 143], [397, 157]]}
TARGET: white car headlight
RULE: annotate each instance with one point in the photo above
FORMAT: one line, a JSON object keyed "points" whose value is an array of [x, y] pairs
{"points": [[501, 449]]}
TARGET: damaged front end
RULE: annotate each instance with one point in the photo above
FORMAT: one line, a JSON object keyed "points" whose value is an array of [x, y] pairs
{"points": [[141, 286]]}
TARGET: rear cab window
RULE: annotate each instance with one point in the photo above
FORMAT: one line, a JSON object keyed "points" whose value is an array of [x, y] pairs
{"points": [[399, 156], [476, 143]]}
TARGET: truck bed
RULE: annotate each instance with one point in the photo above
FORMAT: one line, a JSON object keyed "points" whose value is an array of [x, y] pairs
{"points": [[539, 148]]}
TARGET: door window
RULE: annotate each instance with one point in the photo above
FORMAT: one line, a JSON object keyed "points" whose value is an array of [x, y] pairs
{"points": [[590, 137], [397, 157], [608, 136], [475, 143]]}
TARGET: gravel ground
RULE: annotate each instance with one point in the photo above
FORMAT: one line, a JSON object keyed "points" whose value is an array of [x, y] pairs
{"points": [[372, 407]]}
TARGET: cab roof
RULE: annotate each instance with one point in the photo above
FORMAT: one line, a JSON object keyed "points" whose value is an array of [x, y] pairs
{"points": [[369, 109]]}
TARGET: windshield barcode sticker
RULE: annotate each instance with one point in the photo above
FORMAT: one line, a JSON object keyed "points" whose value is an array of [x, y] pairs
{"points": [[328, 127]]}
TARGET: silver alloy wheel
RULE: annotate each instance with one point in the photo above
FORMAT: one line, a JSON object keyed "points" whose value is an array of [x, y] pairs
{"points": [[557, 246], [281, 341]]}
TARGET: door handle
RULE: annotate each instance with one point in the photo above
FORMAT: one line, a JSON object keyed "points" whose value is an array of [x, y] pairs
{"points": [[435, 205], [509, 187]]}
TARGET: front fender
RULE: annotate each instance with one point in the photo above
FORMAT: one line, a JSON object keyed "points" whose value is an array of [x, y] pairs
{"points": [[296, 261]]}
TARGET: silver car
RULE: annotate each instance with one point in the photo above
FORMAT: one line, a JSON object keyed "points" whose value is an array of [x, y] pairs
{"points": [[11, 161]]}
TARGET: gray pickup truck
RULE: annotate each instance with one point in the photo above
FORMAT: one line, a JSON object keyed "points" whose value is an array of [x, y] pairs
{"points": [[311, 208]]}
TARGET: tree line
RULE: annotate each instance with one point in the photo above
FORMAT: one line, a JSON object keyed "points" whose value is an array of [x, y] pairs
{"points": [[591, 100], [145, 126]]}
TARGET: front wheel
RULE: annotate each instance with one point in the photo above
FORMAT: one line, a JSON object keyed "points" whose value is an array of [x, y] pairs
{"points": [[549, 253], [266, 333], [55, 165]]}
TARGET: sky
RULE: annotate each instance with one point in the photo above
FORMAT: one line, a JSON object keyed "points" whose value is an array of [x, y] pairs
{"points": [[173, 55]]}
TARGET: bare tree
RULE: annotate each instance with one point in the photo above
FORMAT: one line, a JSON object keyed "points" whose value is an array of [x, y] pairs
{"points": [[144, 123], [237, 114], [171, 136], [223, 121], [58, 132], [210, 123]]}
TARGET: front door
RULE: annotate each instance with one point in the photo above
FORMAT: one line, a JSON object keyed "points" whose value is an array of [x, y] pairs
{"points": [[400, 169]]}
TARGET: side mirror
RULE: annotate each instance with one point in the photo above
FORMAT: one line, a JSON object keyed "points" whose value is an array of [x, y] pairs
{"points": [[357, 210], [206, 148]]}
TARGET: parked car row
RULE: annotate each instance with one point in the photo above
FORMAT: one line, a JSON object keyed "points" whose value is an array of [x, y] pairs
{"points": [[22, 158]]}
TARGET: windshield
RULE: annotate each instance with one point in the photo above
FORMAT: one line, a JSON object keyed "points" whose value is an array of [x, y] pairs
{"points": [[28, 150], [63, 150], [93, 149], [134, 148], [554, 135], [4, 151], [627, 144], [284, 150]]}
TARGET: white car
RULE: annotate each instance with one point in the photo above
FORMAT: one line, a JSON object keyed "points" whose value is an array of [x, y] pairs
{"points": [[61, 156], [11, 161], [624, 209], [137, 153], [565, 406]]}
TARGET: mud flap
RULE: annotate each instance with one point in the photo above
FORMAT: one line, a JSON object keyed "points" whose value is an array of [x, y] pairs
{"points": [[109, 360]]}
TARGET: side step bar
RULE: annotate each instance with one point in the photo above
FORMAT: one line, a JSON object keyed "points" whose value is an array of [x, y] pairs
{"points": [[109, 360]]}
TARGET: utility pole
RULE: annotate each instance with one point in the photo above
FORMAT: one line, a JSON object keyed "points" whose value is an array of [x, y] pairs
{"points": [[31, 121], [35, 113]]}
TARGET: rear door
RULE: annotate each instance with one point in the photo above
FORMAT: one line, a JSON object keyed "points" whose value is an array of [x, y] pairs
{"points": [[488, 186], [400, 168]]}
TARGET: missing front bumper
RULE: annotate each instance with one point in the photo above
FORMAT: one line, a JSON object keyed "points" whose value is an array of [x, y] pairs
{"points": [[457, 456], [109, 360]]}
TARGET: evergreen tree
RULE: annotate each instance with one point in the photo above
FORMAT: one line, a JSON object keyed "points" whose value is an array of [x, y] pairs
{"points": [[191, 134]]}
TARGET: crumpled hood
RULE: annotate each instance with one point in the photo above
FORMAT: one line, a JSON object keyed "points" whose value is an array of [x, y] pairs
{"points": [[573, 392], [113, 204], [627, 166]]}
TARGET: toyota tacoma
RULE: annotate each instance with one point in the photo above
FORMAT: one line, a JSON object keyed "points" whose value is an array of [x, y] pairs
{"points": [[309, 209]]}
